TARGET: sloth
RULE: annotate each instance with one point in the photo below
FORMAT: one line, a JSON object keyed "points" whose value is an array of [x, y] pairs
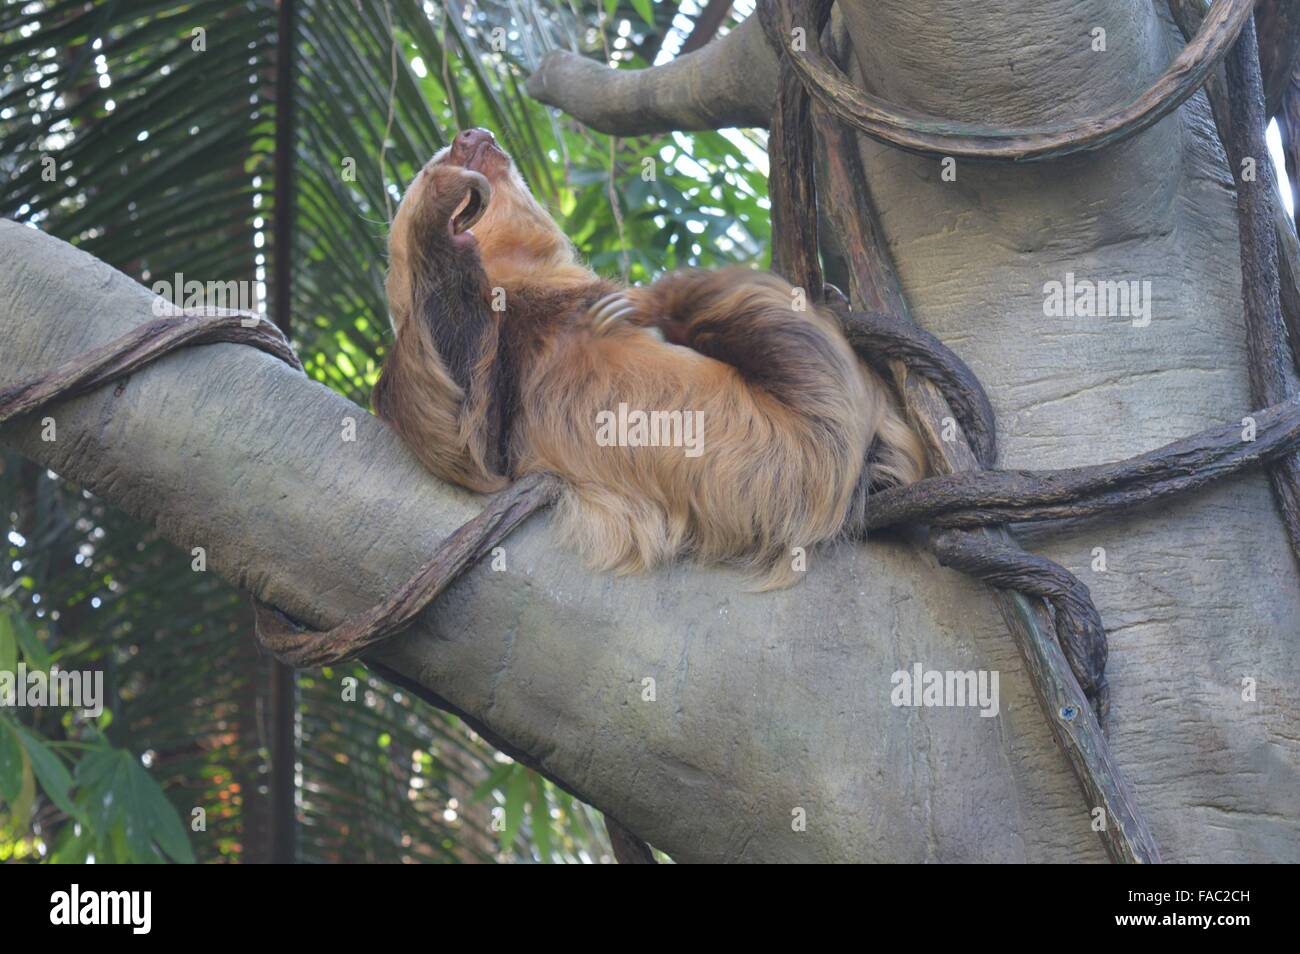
{"points": [[512, 357]]}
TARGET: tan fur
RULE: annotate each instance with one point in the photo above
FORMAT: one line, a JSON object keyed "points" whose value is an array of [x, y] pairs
{"points": [[790, 413]]}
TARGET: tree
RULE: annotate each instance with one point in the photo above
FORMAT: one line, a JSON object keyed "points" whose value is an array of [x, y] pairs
{"points": [[977, 247], [722, 725]]}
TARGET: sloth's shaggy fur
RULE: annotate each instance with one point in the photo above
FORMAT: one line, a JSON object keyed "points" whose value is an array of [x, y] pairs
{"points": [[502, 365]]}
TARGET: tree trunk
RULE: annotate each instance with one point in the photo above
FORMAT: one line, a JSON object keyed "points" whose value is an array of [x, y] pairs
{"points": [[768, 707], [1199, 594]]}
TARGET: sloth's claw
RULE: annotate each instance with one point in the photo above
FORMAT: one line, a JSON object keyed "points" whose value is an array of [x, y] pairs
{"points": [[609, 311]]}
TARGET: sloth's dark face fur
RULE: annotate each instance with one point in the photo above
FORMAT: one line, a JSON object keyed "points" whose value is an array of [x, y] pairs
{"points": [[504, 363]]}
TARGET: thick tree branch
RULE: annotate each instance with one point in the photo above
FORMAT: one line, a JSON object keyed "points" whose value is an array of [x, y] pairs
{"points": [[698, 715], [729, 82]]}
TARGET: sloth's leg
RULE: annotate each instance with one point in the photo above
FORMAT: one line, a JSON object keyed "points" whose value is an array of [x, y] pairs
{"points": [[782, 344], [759, 325]]}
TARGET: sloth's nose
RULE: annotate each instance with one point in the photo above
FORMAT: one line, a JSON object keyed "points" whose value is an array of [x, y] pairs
{"points": [[472, 138]]}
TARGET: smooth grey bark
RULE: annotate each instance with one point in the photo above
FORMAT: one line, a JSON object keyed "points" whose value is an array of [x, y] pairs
{"points": [[770, 703]]}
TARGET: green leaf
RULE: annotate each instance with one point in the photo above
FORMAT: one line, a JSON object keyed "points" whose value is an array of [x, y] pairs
{"points": [[646, 10], [129, 809], [492, 782], [55, 779], [8, 642], [516, 798], [17, 784], [11, 763], [157, 816], [96, 768], [34, 651], [541, 819]]}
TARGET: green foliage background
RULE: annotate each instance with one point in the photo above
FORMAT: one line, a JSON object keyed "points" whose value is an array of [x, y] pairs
{"points": [[161, 158]]}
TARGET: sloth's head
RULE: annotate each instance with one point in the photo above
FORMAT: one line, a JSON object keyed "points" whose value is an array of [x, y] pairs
{"points": [[516, 238]]}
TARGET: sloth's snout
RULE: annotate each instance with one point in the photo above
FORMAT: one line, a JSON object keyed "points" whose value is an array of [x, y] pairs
{"points": [[477, 149], [473, 138], [468, 144]]}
